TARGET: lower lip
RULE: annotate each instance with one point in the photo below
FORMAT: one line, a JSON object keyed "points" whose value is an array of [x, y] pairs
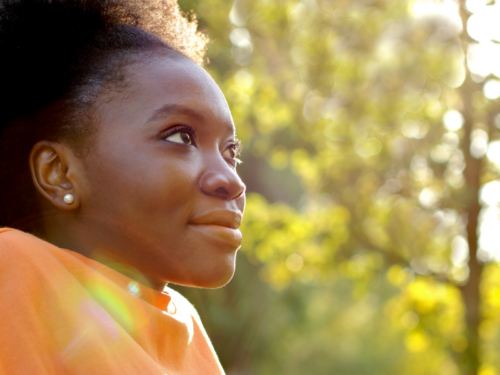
{"points": [[225, 235]]}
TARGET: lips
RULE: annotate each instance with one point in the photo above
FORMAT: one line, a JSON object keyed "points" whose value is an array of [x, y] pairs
{"points": [[220, 226], [223, 218]]}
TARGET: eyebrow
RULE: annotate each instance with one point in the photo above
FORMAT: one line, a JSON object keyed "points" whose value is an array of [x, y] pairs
{"points": [[178, 109], [175, 109]]}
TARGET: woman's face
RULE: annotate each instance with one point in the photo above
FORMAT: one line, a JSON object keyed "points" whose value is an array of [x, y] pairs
{"points": [[160, 188]]}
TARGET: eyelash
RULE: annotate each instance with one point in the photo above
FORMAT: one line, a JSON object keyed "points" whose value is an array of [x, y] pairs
{"points": [[236, 146], [181, 129]]}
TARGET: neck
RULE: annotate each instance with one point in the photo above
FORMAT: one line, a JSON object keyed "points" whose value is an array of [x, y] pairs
{"points": [[111, 244]]}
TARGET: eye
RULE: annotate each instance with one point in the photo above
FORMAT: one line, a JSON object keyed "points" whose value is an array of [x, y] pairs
{"points": [[232, 151], [182, 135]]}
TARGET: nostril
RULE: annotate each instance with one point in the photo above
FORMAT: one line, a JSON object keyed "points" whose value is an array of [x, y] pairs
{"points": [[221, 192], [223, 184]]}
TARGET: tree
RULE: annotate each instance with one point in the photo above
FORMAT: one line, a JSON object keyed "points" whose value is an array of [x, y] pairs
{"points": [[367, 131]]}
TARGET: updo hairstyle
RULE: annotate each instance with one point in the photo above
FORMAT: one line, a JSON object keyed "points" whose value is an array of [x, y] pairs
{"points": [[56, 58]]}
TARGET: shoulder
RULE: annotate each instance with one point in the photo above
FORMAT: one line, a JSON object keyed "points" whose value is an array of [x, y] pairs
{"points": [[182, 304], [180, 301], [186, 308], [33, 303], [15, 243], [13, 237], [21, 253]]}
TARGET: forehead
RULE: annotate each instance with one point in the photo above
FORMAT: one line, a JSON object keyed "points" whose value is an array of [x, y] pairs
{"points": [[167, 82], [157, 86]]}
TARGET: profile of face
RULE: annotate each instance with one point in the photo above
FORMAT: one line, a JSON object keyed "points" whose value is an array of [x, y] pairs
{"points": [[158, 189]]}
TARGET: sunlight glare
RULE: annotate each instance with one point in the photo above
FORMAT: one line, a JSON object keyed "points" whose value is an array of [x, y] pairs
{"points": [[483, 25], [488, 228], [240, 36], [491, 89], [494, 152], [428, 197], [459, 251], [475, 6], [446, 10], [484, 58], [479, 143], [453, 120], [489, 194], [489, 197]]}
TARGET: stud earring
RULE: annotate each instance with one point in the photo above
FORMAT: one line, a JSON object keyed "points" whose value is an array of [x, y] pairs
{"points": [[69, 198]]}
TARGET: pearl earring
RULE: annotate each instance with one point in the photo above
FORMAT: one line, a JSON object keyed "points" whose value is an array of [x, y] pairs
{"points": [[69, 198]]}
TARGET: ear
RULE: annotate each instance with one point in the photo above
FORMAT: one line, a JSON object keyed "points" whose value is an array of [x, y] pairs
{"points": [[52, 173]]}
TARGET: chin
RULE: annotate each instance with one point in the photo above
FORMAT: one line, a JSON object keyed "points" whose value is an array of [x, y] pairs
{"points": [[211, 276], [218, 282]]}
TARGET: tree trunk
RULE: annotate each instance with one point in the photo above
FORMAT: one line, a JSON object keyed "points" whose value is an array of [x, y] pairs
{"points": [[471, 296], [470, 292]]}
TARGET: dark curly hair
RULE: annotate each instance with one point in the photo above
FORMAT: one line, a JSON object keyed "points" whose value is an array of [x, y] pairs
{"points": [[57, 57]]}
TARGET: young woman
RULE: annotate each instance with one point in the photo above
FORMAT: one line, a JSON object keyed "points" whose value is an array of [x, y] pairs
{"points": [[118, 155]]}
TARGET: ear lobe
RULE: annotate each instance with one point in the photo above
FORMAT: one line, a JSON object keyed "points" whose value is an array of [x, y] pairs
{"points": [[49, 170]]}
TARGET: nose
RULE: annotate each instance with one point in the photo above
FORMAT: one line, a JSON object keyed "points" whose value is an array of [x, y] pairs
{"points": [[220, 180]]}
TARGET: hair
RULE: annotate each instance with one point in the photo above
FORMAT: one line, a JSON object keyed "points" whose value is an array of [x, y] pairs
{"points": [[58, 56]]}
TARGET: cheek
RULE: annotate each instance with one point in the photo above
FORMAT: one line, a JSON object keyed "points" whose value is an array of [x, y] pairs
{"points": [[142, 189]]}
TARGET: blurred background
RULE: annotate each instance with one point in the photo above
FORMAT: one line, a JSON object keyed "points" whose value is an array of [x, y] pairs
{"points": [[372, 159]]}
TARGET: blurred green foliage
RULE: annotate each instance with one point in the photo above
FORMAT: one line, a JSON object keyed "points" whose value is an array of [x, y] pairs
{"points": [[358, 200]]}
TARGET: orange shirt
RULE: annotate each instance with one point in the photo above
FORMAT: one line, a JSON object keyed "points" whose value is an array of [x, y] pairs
{"points": [[62, 313]]}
